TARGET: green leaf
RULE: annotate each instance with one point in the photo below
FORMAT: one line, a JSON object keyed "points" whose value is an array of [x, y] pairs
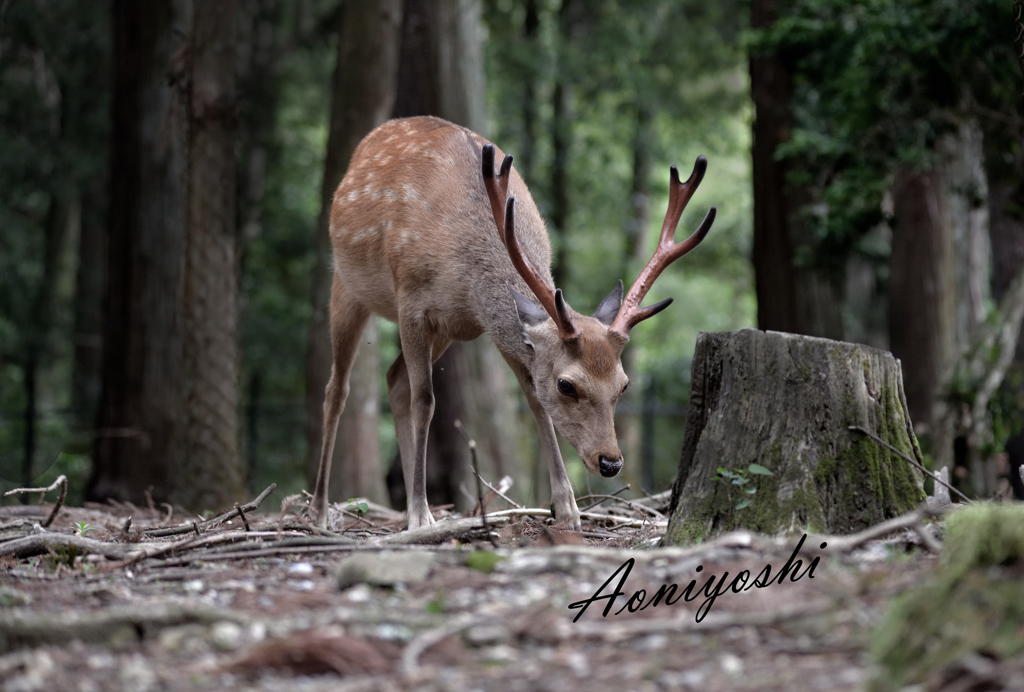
{"points": [[759, 470], [750, 491], [743, 504]]}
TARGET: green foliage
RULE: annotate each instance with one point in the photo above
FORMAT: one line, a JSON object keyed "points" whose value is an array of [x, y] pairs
{"points": [[978, 585], [359, 508], [876, 83], [740, 479], [54, 122], [81, 528]]}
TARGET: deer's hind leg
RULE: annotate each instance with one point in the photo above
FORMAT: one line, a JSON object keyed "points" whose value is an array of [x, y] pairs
{"points": [[348, 319], [411, 392]]}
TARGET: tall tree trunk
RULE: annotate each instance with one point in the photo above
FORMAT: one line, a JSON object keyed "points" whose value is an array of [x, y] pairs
{"points": [[211, 475], [140, 403], [531, 27], [257, 82], [922, 308], [87, 367], [772, 252], [561, 142], [634, 253], [362, 97]]}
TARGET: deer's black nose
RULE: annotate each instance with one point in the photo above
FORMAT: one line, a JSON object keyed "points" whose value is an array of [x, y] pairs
{"points": [[610, 467]]}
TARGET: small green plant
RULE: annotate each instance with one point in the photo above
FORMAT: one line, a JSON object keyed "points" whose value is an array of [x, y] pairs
{"points": [[741, 478], [81, 528], [359, 508]]}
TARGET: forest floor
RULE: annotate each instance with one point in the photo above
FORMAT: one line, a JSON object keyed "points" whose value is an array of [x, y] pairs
{"points": [[281, 606]]}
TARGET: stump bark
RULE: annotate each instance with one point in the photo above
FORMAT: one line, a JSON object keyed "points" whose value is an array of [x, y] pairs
{"points": [[787, 402]]}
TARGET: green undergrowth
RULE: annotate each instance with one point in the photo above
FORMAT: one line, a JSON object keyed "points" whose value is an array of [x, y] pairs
{"points": [[974, 603]]}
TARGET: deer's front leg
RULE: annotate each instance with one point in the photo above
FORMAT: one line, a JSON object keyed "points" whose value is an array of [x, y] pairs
{"points": [[563, 501]]}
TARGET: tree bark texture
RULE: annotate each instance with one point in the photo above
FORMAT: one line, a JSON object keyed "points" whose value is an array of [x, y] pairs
{"points": [[362, 97], [922, 306], [140, 405], [787, 402], [211, 474], [772, 252]]}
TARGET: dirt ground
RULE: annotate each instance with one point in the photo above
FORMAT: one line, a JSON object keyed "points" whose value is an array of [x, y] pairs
{"points": [[284, 607]]}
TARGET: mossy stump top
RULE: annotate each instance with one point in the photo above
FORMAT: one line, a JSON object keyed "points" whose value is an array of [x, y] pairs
{"points": [[787, 402]]}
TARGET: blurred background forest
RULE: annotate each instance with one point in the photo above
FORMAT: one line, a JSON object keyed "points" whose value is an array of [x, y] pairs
{"points": [[164, 262]]}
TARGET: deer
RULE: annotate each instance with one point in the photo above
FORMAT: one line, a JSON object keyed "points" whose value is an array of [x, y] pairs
{"points": [[413, 241]]}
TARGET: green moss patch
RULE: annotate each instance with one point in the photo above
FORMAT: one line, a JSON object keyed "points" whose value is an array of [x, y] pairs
{"points": [[973, 604]]}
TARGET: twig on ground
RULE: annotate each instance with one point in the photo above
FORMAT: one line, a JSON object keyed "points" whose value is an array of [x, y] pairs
{"points": [[933, 476], [633, 505], [471, 443], [220, 518], [245, 520], [149, 500], [62, 482], [912, 520], [593, 516], [440, 532], [603, 497], [170, 513], [361, 518]]}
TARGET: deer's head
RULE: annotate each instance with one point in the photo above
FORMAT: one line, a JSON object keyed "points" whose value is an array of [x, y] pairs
{"points": [[576, 367]]}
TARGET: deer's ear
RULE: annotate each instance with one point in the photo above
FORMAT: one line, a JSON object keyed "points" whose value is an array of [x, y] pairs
{"points": [[529, 313], [609, 307]]}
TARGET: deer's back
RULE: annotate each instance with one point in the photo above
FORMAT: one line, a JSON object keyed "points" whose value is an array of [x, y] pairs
{"points": [[411, 225]]}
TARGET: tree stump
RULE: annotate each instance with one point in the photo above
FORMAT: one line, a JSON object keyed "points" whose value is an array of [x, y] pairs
{"points": [[787, 402]]}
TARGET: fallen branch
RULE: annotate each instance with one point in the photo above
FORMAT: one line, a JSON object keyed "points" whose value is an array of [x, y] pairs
{"points": [[194, 527], [42, 543], [593, 516], [439, 532], [912, 520], [61, 481], [20, 628]]}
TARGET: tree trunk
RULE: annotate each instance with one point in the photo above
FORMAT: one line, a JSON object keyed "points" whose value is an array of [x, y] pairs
{"points": [[635, 255], [362, 97], [772, 252], [212, 473], [1007, 237], [922, 308], [141, 402], [531, 27], [87, 367], [827, 478]]}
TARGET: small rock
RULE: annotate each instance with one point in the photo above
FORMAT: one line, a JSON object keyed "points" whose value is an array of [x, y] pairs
{"points": [[303, 569], [225, 635], [385, 568], [731, 664]]}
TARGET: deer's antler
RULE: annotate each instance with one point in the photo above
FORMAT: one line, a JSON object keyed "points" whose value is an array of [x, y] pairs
{"points": [[630, 313], [503, 209]]}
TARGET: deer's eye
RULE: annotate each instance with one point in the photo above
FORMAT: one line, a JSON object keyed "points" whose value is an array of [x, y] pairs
{"points": [[566, 387]]}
